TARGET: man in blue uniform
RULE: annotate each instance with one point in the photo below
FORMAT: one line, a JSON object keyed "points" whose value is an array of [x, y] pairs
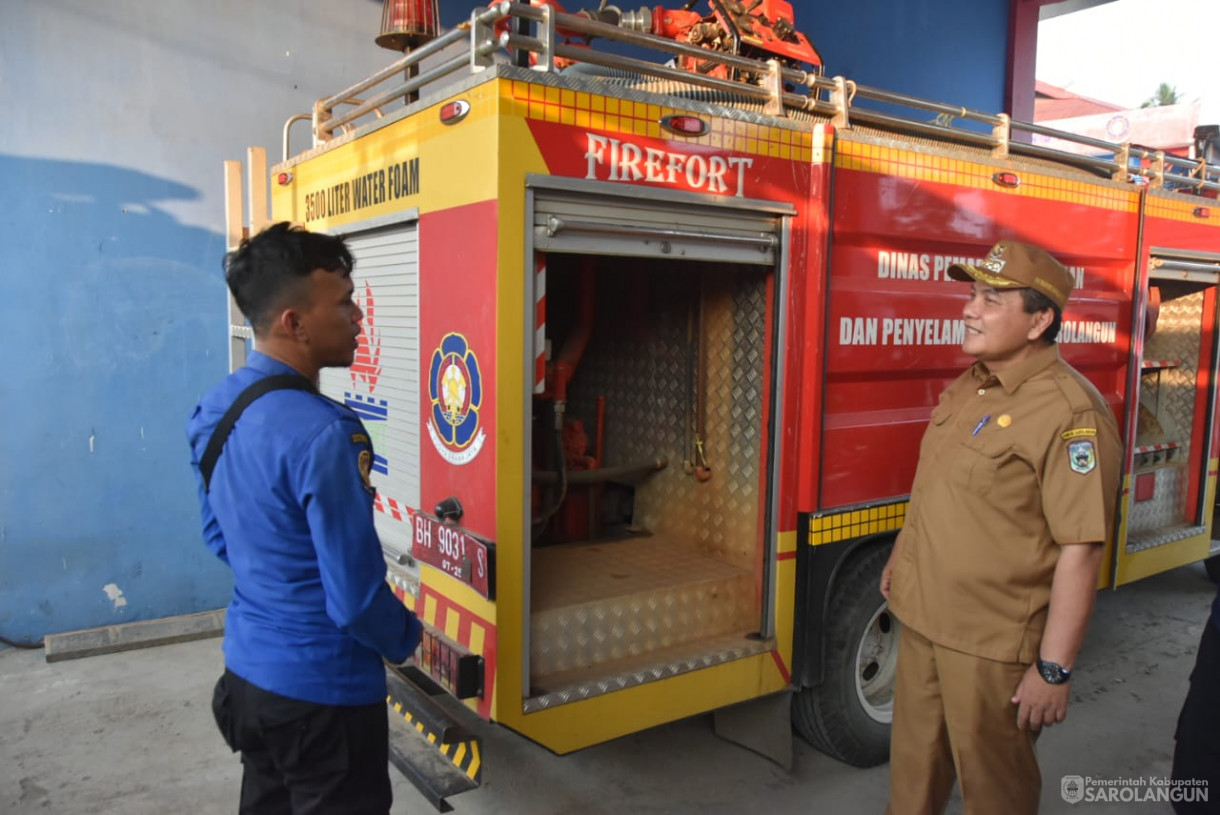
{"points": [[284, 490]]}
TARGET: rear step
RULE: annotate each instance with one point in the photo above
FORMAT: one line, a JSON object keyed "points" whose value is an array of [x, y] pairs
{"points": [[563, 687], [428, 744]]}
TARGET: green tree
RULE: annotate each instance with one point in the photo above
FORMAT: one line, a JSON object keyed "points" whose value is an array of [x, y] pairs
{"points": [[1166, 94]]}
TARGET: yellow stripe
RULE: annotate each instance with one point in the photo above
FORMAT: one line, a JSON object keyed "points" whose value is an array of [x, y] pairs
{"points": [[477, 636], [430, 609], [856, 523], [453, 621], [1179, 208], [456, 752], [874, 158], [548, 104], [472, 771]]}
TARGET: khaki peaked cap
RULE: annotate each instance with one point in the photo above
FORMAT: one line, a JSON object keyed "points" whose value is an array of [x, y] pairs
{"points": [[1016, 265]]}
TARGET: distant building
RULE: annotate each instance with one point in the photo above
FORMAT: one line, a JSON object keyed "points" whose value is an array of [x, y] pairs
{"points": [[1165, 127], [1053, 103]]}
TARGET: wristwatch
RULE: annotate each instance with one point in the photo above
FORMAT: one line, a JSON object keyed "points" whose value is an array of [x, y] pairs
{"points": [[1053, 673]]}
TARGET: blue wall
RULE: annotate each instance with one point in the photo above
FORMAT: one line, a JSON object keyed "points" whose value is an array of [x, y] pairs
{"points": [[119, 115], [112, 320]]}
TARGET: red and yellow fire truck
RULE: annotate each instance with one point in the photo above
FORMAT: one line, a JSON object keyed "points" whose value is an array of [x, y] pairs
{"points": [[650, 343]]}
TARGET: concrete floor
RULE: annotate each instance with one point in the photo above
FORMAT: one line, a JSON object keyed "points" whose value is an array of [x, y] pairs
{"points": [[132, 733]]}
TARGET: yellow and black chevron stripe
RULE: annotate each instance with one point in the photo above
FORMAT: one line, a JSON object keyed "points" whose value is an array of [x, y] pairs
{"points": [[466, 755], [855, 523]]}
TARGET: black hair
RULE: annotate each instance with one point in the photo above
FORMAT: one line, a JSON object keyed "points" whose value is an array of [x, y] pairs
{"points": [[1034, 301], [265, 272]]}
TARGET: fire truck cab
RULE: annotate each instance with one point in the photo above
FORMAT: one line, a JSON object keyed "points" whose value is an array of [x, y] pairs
{"points": [[648, 353]]}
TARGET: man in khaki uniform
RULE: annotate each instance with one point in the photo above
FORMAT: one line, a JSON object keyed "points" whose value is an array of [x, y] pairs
{"points": [[994, 574]]}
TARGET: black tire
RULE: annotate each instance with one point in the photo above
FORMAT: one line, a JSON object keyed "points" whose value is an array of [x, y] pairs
{"points": [[1212, 566], [848, 716]]}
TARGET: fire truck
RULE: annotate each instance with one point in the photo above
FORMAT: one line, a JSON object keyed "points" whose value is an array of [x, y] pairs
{"points": [[655, 315]]}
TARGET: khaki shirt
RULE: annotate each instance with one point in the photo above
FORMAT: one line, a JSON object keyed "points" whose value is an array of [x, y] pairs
{"points": [[1011, 466]]}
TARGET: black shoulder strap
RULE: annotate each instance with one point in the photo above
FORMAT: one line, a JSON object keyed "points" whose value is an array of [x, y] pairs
{"points": [[221, 434]]}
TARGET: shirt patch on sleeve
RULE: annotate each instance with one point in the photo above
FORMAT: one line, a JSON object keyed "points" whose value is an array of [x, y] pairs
{"points": [[1082, 456], [365, 462], [360, 438], [1078, 432]]}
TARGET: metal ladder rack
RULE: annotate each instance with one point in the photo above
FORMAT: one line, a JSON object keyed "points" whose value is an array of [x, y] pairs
{"points": [[778, 88]]}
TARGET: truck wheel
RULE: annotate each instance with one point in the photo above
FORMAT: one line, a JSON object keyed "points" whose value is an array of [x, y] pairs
{"points": [[1212, 565], [848, 716]]}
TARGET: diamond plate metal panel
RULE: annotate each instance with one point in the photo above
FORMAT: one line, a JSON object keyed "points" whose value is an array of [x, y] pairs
{"points": [[1167, 506], [600, 603], [1167, 405], [1170, 393], [610, 615], [656, 666], [645, 364], [1160, 537]]}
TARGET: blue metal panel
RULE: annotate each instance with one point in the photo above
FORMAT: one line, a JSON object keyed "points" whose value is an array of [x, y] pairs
{"points": [[952, 51]]}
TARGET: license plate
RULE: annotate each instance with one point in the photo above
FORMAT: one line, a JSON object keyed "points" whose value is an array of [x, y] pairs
{"points": [[454, 551]]}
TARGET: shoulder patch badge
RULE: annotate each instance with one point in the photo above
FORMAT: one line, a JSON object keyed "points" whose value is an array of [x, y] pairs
{"points": [[1082, 456], [1078, 432], [365, 463]]}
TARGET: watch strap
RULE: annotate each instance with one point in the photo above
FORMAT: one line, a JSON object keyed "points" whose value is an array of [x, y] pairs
{"points": [[1052, 672]]}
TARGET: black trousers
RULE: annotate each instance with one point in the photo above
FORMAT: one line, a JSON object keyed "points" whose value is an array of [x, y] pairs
{"points": [[1197, 754], [302, 758]]}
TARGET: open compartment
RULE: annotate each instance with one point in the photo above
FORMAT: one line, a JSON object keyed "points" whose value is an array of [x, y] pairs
{"points": [[1174, 403], [649, 471]]}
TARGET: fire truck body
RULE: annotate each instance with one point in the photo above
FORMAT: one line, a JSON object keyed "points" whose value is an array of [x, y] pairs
{"points": [[646, 364]]}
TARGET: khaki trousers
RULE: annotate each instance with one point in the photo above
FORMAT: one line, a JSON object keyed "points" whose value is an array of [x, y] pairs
{"points": [[953, 719]]}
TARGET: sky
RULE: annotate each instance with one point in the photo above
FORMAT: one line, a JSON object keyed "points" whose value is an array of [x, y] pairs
{"points": [[1121, 51]]}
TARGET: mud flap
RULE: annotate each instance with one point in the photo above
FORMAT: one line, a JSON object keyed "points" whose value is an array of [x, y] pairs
{"points": [[762, 725], [428, 745]]}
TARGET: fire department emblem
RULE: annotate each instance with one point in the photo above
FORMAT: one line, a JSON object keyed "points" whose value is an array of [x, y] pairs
{"points": [[1082, 456], [455, 391]]}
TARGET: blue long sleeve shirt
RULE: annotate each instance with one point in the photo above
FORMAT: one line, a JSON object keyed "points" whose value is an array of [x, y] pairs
{"points": [[291, 512]]}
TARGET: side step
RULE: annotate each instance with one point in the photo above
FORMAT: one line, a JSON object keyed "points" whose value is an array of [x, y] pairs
{"points": [[428, 745]]}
